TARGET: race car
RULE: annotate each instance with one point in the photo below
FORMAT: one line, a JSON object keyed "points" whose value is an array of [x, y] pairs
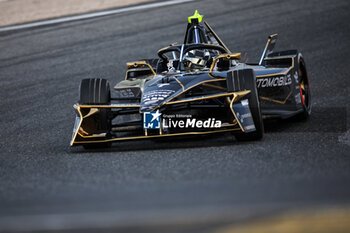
{"points": [[193, 88]]}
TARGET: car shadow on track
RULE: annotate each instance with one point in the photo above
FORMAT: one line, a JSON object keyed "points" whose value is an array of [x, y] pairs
{"points": [[322, 120], [202, 141]]}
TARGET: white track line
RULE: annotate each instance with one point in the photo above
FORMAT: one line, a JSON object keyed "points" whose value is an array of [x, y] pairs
{"points": [[91, 15]]}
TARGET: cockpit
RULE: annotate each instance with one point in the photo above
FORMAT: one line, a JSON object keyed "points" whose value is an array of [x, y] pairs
{"points": [[200, 49], [191, 58], [188, 57]]}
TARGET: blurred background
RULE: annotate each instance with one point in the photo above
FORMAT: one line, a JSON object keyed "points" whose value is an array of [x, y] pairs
{"points": [[295, 180]]}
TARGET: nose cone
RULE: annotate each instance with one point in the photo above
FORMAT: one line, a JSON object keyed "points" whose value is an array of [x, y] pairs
{"points": [[158, 91]]}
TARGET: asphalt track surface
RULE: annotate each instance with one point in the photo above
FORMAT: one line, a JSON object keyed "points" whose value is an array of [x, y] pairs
{"points": [[182, 185]]}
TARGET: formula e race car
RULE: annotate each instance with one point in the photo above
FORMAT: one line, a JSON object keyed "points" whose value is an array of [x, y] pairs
{"points": [[197, 87]]}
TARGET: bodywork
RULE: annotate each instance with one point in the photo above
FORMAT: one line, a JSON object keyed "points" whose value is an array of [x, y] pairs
{"points": [[153, 85]]}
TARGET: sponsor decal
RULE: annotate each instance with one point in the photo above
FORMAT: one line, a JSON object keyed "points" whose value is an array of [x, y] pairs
{"points": [[249, 128], [163, 84], [274, 81], [244, 116], [170, 66], [298, 98], [151, 99], [156, 96], [126, 92], [296, 77]]}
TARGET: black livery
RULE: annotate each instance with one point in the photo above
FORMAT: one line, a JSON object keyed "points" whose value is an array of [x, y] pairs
{"points": [[200, 80]]}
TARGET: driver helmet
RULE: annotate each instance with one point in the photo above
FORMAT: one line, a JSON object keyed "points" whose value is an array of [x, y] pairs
{"points": [[196, 58]]}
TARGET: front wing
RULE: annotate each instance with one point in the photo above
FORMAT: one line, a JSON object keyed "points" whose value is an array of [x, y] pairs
{"points": [[86, 128]]}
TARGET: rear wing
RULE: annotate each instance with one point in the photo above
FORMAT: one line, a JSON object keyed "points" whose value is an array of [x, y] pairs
{"points": [[270, 45]]}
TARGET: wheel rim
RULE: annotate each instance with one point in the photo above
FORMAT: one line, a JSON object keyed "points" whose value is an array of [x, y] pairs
{"points": [[304, 89]]}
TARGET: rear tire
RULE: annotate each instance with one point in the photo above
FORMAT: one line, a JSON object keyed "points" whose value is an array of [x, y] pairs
{"points": [[249, 83], [304, 87], [97, 92]]}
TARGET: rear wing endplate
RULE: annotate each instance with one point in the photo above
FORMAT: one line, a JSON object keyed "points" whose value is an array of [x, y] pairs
{"points": [[270, 44]]}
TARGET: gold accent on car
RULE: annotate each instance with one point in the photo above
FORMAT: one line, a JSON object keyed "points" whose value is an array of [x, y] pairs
{"points": [[205, 81], [156, 136], [214, 86], [110, 106], [183, 88], [276, 101], [139, 64], [227, 57], [236, 95]]}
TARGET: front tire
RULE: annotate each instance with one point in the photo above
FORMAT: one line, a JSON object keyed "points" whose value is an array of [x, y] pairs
{"points": [[97, 92], [304, 88], [254, 105]]}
